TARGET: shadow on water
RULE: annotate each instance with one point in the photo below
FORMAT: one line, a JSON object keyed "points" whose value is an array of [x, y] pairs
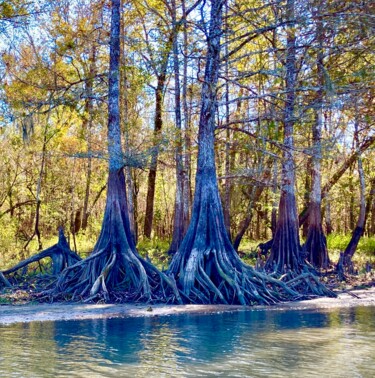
{"points": [[254, 343]]}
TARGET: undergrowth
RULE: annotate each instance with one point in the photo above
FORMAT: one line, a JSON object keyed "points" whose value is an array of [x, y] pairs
{"points": [[156, 249]]}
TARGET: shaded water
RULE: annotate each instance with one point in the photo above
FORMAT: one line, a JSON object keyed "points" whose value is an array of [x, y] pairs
{"points": [[335, 343]]}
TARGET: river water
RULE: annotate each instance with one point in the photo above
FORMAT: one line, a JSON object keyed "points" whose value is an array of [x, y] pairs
{"points": [[331, 343]]}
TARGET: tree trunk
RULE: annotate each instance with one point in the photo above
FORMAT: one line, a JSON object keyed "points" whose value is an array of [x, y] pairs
{"points": [[88, 124], [370, 209], [359, 229], [275, 173], [179, 221], [227, 184], [126, 127], [327, 215], [60, 255], [351, 217], [307, 192], [245, 223], [115, 271], [158, 124], [39, 191], [254, 195], [187, 194], [285, 250], [316, 244], [206, 267], [368, 142]]}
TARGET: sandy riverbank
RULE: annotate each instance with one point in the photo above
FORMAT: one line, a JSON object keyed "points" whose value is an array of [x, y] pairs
{"points": [[61, 311]]}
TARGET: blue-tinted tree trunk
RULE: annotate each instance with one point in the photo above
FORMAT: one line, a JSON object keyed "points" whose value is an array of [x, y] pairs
{"points": [[206, 267], [285, 250], [316, 244], [115, 271]]}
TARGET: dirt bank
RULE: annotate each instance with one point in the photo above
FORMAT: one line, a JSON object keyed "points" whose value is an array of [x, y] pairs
{"points": [[61, 311]]}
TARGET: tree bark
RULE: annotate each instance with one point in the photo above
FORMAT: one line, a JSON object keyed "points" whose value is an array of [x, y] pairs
{"points": [[275, 174], [316, 244], [124, 101], [351, 217], [187, 195], [307, 191], [88, 125], [370, 209], [158, 125], [285, 250], [359, 229], [227, 184], [39, 191], [179, 220]]}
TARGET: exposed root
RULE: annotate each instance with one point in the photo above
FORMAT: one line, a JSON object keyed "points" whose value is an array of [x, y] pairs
{"points": [[60, 255], [345, 267], [4, 281], [234, 282], [115, 272], [208, 270], [120, 276]]}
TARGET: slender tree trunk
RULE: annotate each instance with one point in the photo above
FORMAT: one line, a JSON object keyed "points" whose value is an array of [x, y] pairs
{"points": [[351, 200], [254, 196], [275, 174], [179, 223], [265, 217], [158, 124], [135, 202], [328, 217], [367, 143], [88, 125], [359, 228], [124, 101], [39, 191], [316, 244], [187, 194], [227, 185], [285, 250], [370, 209], [307, 192], [244, 225]]}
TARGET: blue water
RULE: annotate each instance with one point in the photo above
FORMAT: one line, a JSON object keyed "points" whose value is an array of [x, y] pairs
{"points": [[335, 343]]}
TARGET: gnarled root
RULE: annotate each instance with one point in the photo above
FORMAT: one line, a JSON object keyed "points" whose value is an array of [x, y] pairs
{"points": [[59, 253], [117, 276], [4, 281], [208, 270], [115, 271], [216, 279]]}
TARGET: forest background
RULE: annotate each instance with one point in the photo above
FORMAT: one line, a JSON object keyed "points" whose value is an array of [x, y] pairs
{"points": [[53, 99]]}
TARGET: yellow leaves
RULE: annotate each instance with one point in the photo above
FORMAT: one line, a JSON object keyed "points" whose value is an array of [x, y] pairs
{"points": [[6, 9], [12, 8], [69, 144]]}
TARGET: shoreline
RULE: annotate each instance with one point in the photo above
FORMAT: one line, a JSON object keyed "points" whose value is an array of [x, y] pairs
{"points": [[11, 314]]}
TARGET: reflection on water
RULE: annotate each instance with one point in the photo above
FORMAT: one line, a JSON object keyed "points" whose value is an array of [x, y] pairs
{"points": [[336, 343]]}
